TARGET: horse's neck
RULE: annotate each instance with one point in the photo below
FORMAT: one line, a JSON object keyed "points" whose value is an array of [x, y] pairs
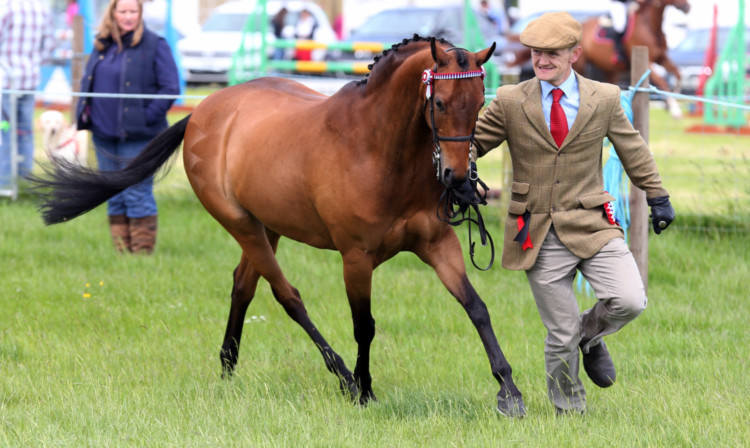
{"points": [[653, 16], [396, 104]]}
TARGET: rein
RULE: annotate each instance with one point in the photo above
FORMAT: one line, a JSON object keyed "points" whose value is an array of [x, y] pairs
{"points": [[458, 200]]}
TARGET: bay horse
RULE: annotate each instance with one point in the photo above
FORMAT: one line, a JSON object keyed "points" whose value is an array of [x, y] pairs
{"points": [[354, 172], [644, 29]]}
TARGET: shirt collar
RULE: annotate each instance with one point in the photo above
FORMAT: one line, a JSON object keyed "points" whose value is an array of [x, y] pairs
{"points": [[567, 86]]}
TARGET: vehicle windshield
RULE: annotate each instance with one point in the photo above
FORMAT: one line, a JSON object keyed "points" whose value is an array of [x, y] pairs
{"points": [[225, 22], [698, 40], [399, 23]]}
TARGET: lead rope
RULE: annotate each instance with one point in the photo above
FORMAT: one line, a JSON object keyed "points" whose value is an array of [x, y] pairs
{"points": [[455, 202]]}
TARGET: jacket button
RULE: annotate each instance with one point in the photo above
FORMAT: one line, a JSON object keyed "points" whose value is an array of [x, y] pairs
{"points": [[127, 83], [126, 109], [101, 56]]}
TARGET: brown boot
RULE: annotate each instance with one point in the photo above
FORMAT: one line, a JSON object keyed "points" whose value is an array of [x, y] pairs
{"points": [[143, 234], [119, 229]]}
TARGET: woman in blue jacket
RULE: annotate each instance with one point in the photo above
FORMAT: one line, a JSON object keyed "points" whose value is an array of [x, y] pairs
{"points": [[127, 59]]}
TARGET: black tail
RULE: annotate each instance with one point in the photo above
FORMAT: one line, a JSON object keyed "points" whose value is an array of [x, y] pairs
{"points": [[73, 190]]}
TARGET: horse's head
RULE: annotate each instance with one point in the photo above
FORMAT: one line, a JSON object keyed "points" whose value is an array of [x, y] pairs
{"points": [[682, 5], [454, 88]]}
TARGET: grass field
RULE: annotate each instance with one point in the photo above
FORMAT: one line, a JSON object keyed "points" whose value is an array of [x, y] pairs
{"points": [[105, 350]]}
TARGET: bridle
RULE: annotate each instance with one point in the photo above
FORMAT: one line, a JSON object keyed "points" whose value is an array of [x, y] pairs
{"points": [[456, 201], [428, 78]]}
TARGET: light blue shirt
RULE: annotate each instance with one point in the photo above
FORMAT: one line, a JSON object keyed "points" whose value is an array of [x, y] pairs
{"points": [[569, 101]]}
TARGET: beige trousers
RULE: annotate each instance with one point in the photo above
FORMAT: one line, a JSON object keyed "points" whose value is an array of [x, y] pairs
{"points": [[621, 297]]}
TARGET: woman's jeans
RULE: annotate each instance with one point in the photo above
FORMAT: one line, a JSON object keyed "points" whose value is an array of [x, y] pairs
{"points": [[136, 201]]}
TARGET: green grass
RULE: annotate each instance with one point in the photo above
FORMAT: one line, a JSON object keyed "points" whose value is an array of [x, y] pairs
{"points": [[105, 350]]}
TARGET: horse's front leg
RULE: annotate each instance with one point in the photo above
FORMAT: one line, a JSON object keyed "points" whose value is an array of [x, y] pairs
{"points": [[358, 268], [446, 258]]}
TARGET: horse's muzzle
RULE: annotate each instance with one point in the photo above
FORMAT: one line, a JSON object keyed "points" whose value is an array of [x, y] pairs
{"points": [[449, 179]]}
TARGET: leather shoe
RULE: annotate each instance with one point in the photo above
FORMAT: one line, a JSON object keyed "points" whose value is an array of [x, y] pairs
{"points": [[599, 366]]}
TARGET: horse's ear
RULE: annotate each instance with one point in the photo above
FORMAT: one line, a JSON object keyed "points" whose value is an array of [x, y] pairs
{"points": [[433, 48], [485, 55]]}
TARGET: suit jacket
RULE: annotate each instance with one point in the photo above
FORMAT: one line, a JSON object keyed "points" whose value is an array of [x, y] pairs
{"points": [[563, 186]]}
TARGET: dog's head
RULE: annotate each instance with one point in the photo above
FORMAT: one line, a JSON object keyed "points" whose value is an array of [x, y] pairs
{"points": [[52, 123]]}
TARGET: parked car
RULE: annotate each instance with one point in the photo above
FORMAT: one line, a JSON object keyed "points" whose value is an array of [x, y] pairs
{"points": [[207, 54], [391, 26], [690, 54]]}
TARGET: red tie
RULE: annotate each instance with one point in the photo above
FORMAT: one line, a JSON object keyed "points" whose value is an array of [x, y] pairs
{"points": [[558, 124]]}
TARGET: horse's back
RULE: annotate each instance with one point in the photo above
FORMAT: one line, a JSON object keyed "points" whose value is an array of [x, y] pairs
{"points": [[248, 149]]}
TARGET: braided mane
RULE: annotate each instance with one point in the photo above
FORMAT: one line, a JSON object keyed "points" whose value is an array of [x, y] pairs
{"points": [[395, 48]]}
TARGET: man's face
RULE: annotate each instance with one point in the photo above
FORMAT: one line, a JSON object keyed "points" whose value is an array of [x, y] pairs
{"points": [[554, 66]]}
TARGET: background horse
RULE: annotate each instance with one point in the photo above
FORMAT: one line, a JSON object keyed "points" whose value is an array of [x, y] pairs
{"points": [[353, 172], [645, 29]]}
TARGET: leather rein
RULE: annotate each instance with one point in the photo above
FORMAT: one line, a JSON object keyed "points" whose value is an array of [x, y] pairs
{"points": [[457, 201]]}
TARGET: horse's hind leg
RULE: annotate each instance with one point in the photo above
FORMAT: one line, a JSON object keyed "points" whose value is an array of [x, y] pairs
{"points": [[259, 250], [243, 291]]}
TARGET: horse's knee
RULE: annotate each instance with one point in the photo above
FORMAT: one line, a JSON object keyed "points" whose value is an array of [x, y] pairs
{"points": [[364, 332]]}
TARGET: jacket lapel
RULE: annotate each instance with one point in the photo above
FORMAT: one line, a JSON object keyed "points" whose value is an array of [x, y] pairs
{"points": [[532, 107], [586, 108]]}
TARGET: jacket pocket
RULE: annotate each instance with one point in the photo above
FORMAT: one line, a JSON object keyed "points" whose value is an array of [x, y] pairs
{"points": [[517, 207], [595, 200], [520, 187]]}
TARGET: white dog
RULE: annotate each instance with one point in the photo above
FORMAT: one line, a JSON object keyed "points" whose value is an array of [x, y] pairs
{"points": [[62, 141]]}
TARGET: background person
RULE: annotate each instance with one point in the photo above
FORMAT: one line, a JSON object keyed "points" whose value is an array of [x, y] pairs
{"points": [[278, 23], [619, 11], [305, 30], [26, 39], [557, 223], [129, 59]]}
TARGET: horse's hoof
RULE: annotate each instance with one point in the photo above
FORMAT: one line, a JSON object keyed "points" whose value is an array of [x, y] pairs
{"points": [[349, 389], [367, 397], [511, 406]]}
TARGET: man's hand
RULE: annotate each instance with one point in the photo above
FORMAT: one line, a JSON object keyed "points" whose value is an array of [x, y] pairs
{"points": [[662, 213]]}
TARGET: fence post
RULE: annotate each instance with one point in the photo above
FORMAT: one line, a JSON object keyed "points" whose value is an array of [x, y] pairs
{"points": [[638, 210]]}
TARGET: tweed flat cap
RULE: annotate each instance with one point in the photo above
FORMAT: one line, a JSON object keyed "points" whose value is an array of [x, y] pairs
{"points": [[552, 31]]}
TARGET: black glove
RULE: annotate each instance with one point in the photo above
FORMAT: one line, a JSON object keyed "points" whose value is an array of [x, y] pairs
{"points": [[662, 213]]}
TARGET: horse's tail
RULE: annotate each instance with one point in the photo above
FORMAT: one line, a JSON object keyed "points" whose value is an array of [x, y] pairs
{"points": [[74, 190]]}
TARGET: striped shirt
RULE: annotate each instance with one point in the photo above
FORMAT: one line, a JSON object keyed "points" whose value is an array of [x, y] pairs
{"points": [[26, 40]]}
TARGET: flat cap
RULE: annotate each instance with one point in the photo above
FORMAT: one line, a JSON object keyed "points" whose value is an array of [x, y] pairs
{"points": [[552, 31]]}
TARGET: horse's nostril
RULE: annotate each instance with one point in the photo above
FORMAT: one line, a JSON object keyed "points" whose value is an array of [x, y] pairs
{"points": [[448, 176]]}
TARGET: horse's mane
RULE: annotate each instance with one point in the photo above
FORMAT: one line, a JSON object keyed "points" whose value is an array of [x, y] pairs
{"points": [[389, 53]]}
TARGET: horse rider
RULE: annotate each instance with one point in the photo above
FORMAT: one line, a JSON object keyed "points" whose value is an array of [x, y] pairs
{"points": [[619, 11], [559, 220]]}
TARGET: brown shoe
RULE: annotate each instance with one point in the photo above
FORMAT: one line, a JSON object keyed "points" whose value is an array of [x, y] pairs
{"points": [[143, 234], [120, 231]]}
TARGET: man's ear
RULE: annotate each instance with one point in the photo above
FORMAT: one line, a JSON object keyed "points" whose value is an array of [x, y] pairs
{"points": [[576, 53]]}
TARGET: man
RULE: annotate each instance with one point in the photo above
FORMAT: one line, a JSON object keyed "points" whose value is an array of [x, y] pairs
{"points": [[26, 39], [496, 16], [557, 219]]}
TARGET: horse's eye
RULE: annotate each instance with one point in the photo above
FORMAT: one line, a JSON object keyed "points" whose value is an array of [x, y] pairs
{"points": [[439, 104]]}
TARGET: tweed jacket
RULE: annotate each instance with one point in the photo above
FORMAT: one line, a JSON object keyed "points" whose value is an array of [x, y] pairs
{"points": [[563, 186]]}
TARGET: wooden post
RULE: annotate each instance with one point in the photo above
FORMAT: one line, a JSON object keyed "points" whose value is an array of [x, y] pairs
{"points": [[77, 63], [638, 210]]}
